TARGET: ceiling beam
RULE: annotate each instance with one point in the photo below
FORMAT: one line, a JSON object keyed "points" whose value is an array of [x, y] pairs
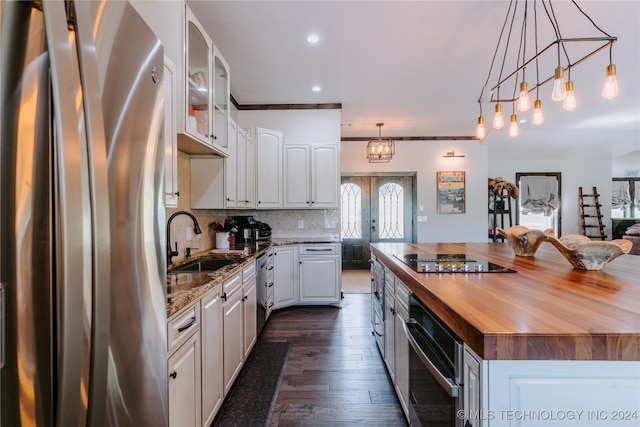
{"points": [[248, 107]]}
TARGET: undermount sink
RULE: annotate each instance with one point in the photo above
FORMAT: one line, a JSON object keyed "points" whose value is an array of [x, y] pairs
{"points": [[204, 265]]}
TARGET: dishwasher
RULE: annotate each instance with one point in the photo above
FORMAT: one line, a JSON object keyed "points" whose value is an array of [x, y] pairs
{"points": [[265, 288]]}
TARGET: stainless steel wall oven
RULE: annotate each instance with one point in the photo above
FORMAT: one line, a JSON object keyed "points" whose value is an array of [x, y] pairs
{"points": [[435, 369]]}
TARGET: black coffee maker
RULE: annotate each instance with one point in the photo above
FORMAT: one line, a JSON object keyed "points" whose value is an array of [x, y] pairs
{"points": [[242, 227]]}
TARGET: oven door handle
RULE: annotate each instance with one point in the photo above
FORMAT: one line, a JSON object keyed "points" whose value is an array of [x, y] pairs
{"points": [[446, 383]]}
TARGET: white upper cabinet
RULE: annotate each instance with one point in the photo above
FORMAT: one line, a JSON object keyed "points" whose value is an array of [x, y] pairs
{"points": [[325, 175], [311, 176], [231, 168], [297, 191], [250, 176], [205, 93], [269, 168]]}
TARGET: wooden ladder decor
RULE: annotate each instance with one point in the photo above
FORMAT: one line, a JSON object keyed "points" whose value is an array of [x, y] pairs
{"points": [[590, 215]]}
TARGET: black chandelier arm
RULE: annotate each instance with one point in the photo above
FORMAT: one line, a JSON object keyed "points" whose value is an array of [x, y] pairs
{"points": [[495, 53], [608, 41], [506, 48], [535, 25], [589, 18], [556, 26]]}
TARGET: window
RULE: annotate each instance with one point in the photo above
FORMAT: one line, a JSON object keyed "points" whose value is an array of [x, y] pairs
{"points": [[351, 208], [625, 198], [539, 201], [391, 211]]}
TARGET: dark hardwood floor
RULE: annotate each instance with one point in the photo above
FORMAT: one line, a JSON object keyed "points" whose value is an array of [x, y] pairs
{"points": [[335, 375]]}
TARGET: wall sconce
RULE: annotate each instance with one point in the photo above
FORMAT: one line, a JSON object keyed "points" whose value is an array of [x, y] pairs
{"points": [[453, 154]]}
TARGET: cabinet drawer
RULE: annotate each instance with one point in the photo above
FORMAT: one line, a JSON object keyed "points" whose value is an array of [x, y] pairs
{"points": [[402, 295], [389, 281], [232, 284], [249, 271], [182, 326], [320, 249]]}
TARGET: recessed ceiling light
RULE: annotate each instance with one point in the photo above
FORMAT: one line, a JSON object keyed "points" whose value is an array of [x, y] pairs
{"points": [[523, 120], [316, 88], [313, 38]]}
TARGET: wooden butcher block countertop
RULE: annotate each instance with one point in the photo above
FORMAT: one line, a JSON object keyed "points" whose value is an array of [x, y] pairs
{"points": [[546, 311]]}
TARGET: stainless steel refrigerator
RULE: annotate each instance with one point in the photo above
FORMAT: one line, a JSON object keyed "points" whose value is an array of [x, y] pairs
{"points": [[82, 270]]}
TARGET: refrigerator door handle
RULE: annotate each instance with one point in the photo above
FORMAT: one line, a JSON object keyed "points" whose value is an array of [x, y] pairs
{"points": [[100, 213], [1, 325], [72, 266]]}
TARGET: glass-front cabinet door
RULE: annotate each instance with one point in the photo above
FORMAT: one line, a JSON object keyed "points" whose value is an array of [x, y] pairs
{"points": [[198, 83], [221, 97], [206, 96]]}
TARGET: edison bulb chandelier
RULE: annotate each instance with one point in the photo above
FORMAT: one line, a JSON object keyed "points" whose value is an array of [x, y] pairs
{"points": [[516, 36]]}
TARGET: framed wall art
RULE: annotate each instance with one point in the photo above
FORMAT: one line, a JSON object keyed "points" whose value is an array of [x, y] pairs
{"points": [[450, 192]]}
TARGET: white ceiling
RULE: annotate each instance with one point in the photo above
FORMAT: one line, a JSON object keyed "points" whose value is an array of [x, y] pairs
{"points": [[419, 66]]}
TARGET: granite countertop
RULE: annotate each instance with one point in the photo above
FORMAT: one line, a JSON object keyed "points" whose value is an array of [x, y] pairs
{"points": [[184, 288]]}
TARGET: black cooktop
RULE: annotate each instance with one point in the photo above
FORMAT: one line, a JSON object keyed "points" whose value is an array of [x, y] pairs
{"points": [[450, 263]]}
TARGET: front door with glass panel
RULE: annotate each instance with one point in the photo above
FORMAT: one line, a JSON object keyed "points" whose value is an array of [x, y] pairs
{"points": [[374, 209]]}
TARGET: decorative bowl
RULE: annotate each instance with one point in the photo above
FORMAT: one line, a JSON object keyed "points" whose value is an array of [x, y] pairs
{"points": [[586, 254], [525, 241]]}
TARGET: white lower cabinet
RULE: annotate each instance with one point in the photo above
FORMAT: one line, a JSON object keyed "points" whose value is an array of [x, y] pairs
{"points": [[207, 344], [395, 346], [389, 323], [401, 345], [471, 376], [285, 276], [545, 393], [183, 367], [211, 337], [233, 341], [249, 308], [320, 273], [307, 274]]}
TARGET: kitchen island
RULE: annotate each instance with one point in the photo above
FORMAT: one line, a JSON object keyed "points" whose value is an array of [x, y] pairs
{"points": [[553, 345]]}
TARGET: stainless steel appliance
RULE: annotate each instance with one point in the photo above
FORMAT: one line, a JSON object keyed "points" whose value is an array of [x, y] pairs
{"points": [[265, 288], [246, 229], [262, 232], [450, 263], [435, 369], [82, 265]]}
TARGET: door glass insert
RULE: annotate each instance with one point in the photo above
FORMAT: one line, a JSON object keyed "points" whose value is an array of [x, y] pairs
{"points": [[391, 211], [351, 208]]}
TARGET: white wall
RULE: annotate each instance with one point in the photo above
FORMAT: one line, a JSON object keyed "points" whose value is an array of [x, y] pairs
{"points": [[624, 165], [586, 173], [298, 126], [425, 158], [165, 19]]}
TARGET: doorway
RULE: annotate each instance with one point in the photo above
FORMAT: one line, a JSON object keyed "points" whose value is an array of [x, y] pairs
{"points": [[375, 208]]}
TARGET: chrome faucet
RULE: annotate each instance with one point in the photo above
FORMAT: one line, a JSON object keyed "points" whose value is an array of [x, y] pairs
{"points": [[196, 229]]}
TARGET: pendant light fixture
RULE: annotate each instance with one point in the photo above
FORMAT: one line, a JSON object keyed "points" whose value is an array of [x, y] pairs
{"points": [[380, 150], [513, 45]]}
